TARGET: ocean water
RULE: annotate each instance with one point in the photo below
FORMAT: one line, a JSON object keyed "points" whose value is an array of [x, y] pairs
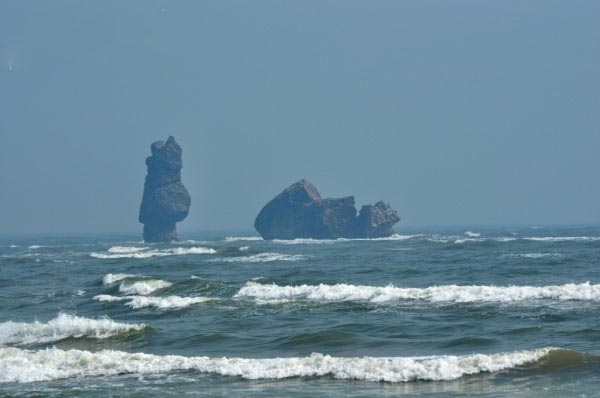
{"points": [[431, 313]]}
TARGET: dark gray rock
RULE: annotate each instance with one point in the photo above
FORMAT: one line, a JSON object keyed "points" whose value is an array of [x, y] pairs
{"points": [[165, 200], [300, 212], [282, 217], [375, 221]]}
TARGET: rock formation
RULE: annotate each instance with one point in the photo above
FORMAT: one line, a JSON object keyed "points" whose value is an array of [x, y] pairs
{"points": [[300, 212], [165, 201]]}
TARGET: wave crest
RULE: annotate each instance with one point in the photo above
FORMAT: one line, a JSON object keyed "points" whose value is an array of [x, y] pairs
{"points": [[143, 252], [447, 293], [144, 287], [262, 258], [62, 327], [23, 366]]}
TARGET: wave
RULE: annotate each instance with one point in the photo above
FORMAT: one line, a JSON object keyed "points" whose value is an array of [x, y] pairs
{"points": [[465, 240], [262, 258], [169, 302], [471, 234], [62, 327], [126, 249], [534, 255], [448, 293], [144, 287], [34, 247], [25, 366], [303, 241], [564, 238], [123, 252], [108, 297], [112, 278], [13, 246], [244, 248], [242, 238]]}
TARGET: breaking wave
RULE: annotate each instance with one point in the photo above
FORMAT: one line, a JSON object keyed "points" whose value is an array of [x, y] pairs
{"points": [[169, 302], [242, 238], [112, 278], [24, 366], [304, 241], [448, 293], [262, 258], [62, 327], [534, 255], [471, 234], [144, 287], [126, 249], [143, 252], [564, 238]]}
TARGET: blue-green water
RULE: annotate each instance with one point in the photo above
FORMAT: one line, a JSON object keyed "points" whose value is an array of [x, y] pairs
{"points": [[486, 313]]}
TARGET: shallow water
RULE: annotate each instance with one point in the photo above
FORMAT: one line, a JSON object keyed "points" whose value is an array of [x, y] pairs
{"points": [[487, 312]]}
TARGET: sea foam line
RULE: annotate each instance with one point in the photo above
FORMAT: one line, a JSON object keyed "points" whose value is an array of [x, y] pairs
{"points": [[62, 327], [144, 288], [447, 293], [242, 238], [161, 303], [112, 278], [303, 241], [262, 258], [24, 366], [140, 252]]}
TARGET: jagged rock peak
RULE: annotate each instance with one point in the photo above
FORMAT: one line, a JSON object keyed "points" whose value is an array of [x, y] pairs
{"points": [[165, 201]]}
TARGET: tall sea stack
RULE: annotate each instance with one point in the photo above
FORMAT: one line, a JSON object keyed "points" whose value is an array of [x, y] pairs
{"points": [[165, 201]]}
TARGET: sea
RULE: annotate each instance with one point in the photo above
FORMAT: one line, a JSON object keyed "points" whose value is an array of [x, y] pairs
{"points": [[447, 312]]}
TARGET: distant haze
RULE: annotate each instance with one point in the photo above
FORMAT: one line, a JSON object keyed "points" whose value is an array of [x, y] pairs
{"points": [[461, 112]]}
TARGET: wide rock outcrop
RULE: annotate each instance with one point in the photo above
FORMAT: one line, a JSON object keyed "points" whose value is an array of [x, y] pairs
{"points": [[165, 200], [300, 212]]}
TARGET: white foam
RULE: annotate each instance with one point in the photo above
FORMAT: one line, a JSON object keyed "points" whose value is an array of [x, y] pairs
{"points": [[564, 238], [24, 366], [126, 249], [243, 238], [169, 302], [465, 240], [13, 246], [121, 252], [262, 258], [62, 327], [304, 241], [504, 239], [144, 287], [472, 234], [448, 293], [33, 247], [180, 251], [535, 255], [112, 278], [108, 297], [244, 248]]}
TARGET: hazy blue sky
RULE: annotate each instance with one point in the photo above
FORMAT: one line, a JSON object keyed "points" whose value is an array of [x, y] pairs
{"points": [[456, 112]]}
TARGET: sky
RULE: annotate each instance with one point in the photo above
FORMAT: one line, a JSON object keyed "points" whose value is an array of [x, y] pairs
{"points": [[456, 112]]}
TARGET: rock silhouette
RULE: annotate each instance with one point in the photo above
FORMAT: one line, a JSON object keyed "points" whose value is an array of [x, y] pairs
{"points": [[165, 200], [300, 212]]}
